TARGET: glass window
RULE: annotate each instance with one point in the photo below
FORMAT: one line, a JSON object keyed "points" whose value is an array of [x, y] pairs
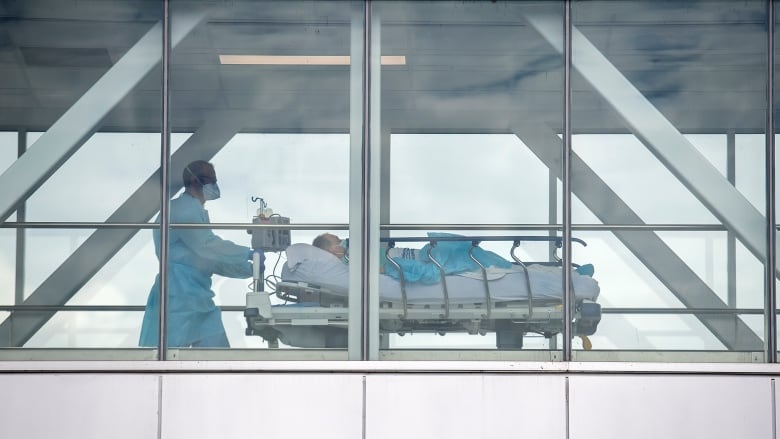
{"points": [[775, 20], [465, 121], [668, 114], [263, 95], [457, 157], [80, 110]]}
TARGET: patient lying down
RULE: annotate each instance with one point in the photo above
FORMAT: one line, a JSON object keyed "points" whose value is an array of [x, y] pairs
{"points": [[324, 263], [453, 256]]}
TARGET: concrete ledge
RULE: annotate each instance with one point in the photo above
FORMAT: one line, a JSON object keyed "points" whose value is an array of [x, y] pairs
{"points": [[417, 362]]}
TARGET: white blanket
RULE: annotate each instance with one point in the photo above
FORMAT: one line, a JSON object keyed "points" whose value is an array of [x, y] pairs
{"points": [[310, 264]]}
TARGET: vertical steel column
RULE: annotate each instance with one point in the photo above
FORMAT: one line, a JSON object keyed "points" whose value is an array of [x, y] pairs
{"points": [[21, 214], [357, 94], [552, 217], [374, 185], [365, 184], [731, 239], [381, 198], [771, 301], [165, 162], [566, 180]]}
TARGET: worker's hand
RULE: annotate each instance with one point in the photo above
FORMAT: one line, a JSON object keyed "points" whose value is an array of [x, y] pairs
{"points": [[260, 252]]}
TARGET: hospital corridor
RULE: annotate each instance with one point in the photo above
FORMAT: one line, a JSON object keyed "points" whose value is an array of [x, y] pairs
{"points": [[389, 218]]}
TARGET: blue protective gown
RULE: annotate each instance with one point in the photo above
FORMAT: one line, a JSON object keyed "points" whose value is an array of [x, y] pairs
{"points": [[194, 255]]}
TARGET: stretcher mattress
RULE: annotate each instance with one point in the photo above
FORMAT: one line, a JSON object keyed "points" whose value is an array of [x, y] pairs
{"points": [[306, 263]]}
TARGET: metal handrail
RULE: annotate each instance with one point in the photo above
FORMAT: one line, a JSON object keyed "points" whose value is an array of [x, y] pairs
{"points": [[103, 308], [558, 240], [240, 308], [386, 227]]}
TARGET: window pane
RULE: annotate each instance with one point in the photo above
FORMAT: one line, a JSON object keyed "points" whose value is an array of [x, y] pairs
{"points": [[775, 20], [668, 119], [474, 116], [262, 90], [81, 95]]}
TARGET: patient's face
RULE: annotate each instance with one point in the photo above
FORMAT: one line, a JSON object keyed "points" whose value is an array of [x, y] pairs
{"points": [[335, 246]]}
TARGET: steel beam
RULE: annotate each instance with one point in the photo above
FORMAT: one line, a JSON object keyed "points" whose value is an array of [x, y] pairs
{"points": [[648, 247], [81, 120], [103, 244], [662, 138]]}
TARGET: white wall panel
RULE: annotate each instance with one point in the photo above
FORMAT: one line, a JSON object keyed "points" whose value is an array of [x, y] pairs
{"points": [[267, 406], [617, 407], [465, 406], [330, 405], [82, 406]]}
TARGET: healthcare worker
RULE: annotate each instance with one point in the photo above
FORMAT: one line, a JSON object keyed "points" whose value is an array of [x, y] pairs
{"points": [[194, 255]]}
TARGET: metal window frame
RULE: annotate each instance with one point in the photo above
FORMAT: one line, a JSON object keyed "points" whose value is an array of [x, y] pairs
{"points": [[364, 215], [365, 133]]}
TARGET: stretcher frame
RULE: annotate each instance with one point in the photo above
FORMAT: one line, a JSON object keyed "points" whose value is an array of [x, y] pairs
{"points": [[315, 306]]}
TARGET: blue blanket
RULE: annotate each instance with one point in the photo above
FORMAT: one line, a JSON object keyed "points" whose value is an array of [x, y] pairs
{"points": [[453, 257]]}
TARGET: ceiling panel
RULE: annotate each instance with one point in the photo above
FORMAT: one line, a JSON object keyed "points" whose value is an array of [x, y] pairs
{"points": [[699, 64]]}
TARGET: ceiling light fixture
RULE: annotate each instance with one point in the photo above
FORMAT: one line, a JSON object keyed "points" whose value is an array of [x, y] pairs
{"points": [[313, 60]]}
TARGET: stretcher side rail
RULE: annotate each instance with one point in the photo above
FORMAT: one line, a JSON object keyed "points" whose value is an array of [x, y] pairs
{"points": [[417, 316], [475, 241], [510, 319], [316, 305]]}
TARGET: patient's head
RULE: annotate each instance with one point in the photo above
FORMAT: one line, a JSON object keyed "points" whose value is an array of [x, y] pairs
{"points": [[330, 243]]}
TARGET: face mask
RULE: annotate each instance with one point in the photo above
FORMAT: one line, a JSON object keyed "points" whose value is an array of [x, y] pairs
{"points": [[210, 191], [345, 245]]}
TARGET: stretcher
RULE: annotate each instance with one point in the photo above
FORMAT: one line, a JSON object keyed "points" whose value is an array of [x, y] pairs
{"points": [[511, 302]]}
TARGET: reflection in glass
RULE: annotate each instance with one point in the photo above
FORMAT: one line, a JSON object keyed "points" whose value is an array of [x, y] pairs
{"points": [[10, 293], [250, 86], [467, 125], [438, 178], [83, 113], [668, 176], [776, 139], [61, 301], [668, 154], [121, 162]]}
